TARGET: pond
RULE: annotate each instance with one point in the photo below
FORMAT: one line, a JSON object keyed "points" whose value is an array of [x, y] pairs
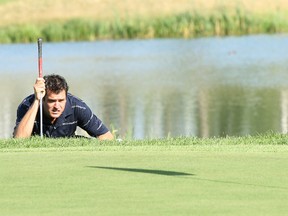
{"points": [[203, 87]]}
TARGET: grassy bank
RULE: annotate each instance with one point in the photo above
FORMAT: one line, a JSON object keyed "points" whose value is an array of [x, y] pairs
{"points": [[179, 176], [183, 25], [74, 20], [269, 139]]}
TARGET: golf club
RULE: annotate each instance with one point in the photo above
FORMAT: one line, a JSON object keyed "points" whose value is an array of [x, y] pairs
{"points": [[40, 75]]}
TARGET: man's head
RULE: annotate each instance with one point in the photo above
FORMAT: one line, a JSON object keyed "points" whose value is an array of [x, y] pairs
{"points": [[56, 94], [55, 83]]}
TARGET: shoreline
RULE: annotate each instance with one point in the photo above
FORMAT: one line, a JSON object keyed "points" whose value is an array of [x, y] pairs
{"points": [[90, 20], [184, 25]]}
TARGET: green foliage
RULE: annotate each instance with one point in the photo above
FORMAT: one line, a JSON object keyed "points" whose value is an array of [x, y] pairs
{"points": [[5, 1], [183, 25], [52, 32], [15, 34]]}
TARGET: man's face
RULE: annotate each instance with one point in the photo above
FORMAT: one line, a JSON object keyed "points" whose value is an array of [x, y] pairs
{"points": [[54, 104]]}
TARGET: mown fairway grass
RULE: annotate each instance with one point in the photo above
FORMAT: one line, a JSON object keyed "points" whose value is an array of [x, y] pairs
{"points": [[179, 176]]}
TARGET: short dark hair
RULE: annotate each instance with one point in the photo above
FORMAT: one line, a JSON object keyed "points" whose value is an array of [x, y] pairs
{"points": [[55, 83]]}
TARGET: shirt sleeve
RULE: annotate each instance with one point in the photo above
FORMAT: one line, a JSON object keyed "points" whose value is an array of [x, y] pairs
{"points": [[88, 121]]}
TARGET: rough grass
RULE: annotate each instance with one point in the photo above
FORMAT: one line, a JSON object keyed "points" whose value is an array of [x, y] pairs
{"points": [[268, 141]]}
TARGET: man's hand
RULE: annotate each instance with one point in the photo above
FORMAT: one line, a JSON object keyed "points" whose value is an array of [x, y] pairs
{"points": [[39, 88]]}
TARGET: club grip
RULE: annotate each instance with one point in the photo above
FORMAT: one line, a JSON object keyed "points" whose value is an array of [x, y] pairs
{"points": [[40, 74]]}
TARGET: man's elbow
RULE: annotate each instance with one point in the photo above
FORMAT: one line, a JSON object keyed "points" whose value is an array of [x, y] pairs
{"points": [[106, 136], [19, 134]]}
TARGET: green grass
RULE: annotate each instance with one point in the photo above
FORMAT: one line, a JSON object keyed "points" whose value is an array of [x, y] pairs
{"points": [[175, 176], [183, 25], [268, 140], [5, 1]]}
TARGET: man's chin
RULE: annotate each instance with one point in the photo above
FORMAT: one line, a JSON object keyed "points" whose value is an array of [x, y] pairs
{"points": [[55, 115]]}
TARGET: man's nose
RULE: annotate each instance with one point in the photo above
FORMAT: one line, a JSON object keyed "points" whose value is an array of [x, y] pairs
{"points": [[56, 104]]}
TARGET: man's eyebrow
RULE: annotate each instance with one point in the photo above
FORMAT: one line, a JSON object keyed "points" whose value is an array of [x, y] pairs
{"points": [[50, 99]]}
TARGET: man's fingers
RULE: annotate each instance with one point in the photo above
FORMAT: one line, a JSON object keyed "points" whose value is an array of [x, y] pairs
{"points": [[39, 88], [40, 80]]}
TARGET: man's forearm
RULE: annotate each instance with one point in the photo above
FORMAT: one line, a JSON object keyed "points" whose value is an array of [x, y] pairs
{"points": [[25, 127]]}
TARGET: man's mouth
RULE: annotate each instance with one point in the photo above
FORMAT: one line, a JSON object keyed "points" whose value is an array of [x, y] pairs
{"points": [[55, 112]]}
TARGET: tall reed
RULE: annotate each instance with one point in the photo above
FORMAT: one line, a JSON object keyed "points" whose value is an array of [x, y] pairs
{"points": [[183, 25]]}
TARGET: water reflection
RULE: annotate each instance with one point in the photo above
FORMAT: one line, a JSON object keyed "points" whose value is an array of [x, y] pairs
{"points": [[238, 111], [220, 111], [159, 88]]}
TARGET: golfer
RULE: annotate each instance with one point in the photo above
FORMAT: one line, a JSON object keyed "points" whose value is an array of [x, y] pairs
{"points": [[62, 112]]}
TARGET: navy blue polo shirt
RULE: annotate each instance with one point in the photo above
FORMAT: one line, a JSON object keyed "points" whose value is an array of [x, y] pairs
{"points": [[76, 113]]}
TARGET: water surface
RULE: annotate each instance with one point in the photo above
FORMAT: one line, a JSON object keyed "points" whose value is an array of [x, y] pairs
{"points": [[158, 88]]}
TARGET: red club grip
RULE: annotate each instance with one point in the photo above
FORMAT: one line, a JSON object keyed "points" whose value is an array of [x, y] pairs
{"points": [[40, 74]]}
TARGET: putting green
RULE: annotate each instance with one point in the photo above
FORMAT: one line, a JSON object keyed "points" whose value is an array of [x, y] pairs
{"points": [[144, 181]]}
